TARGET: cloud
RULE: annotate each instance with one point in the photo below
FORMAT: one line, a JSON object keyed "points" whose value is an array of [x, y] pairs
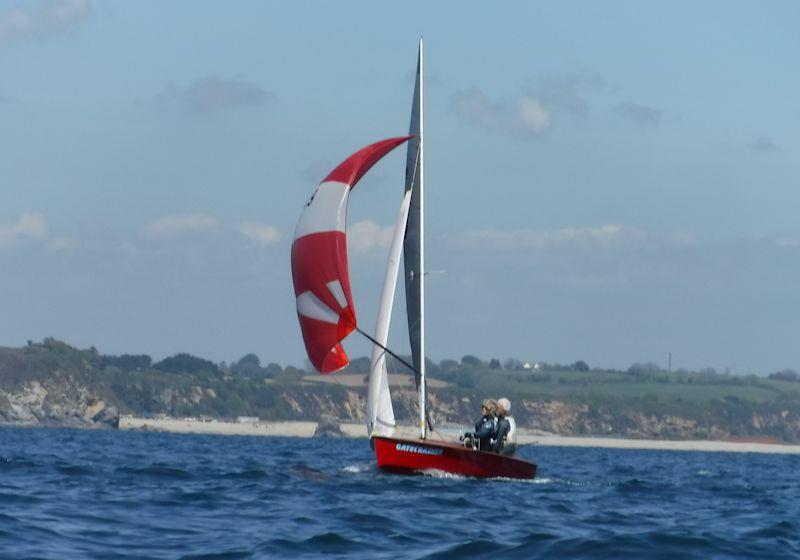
{"points": [[62, 243], [263, 234], [29, 226], [533, 116], [567, 92], [532, 112], [640, 114], [177, 225], [606, 236], [6, 99], [523, 116], [763, 144], [212, 94], [49, 18], [787, 241], [366, 235]]}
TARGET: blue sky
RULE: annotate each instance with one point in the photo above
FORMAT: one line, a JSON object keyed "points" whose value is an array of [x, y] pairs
{"points": [[605, 181]]}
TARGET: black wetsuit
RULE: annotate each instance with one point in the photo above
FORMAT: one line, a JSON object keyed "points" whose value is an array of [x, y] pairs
{"points": [[485, 431], [503, 427]]}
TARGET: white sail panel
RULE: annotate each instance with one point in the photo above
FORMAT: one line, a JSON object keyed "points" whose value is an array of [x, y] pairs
{"points": [[380, 413]]}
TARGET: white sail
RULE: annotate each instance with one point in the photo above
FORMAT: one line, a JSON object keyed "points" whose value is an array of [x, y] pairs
{"points": [[380, 414]]}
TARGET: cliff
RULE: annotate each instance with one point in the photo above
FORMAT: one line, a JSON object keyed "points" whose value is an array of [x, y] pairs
{"points": [[55, 403], [54, 384]]}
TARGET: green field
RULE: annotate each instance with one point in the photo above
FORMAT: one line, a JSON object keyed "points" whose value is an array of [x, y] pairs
{"points": [[603, 386]]}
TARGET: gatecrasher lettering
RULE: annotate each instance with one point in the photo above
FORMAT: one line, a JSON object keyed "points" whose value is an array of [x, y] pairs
{"points": [[417, 449]]}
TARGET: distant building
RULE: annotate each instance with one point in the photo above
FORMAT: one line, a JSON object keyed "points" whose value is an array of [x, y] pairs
{"points": [[526, 365], [247, 419], [537, 366]]}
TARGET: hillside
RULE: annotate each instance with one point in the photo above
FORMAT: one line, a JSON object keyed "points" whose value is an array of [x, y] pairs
{"points": [[53, 384]]}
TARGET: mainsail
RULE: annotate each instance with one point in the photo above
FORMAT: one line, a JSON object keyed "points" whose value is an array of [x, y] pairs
{"points": [[413, 245], [319, 260]]}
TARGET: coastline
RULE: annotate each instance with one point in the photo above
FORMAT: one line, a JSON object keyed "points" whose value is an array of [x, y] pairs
{"points": [[350, 430]]}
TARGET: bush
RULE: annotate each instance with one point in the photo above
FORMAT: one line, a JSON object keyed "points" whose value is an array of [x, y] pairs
{"points": [[785, 375], [247, 365], [471, 362], [186, 363], [127, 362]]}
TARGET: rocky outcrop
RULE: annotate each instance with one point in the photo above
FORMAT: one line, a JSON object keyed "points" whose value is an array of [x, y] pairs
{"points": [[328, 426], [55, 403]]}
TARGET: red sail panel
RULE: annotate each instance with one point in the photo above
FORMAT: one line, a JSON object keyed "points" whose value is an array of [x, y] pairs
{"points": [[319, 260]]}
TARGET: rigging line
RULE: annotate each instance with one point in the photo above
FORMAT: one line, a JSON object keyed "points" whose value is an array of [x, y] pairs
{"points": [[413, 180], [389, 365], [395, 356], [416, 161], [441, 437], [336, 380]]}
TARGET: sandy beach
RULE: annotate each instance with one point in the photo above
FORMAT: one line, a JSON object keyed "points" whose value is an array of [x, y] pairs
{"points": [[306, 429]]}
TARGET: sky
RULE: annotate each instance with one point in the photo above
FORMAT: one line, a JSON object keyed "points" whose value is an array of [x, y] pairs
{"points": [[610, 182]]}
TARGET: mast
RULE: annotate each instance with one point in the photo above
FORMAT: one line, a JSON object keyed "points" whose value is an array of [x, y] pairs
{"points": [[414, 243], [423, 424]]}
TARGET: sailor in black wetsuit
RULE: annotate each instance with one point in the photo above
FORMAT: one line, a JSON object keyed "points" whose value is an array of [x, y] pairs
{"points": [[486, 427]]}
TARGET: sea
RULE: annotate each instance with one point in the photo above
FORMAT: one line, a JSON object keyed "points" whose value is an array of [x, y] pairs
{"points": [[113, 495]]}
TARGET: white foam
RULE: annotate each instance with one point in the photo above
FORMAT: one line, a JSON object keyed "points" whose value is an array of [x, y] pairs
{"points": [[437, 473], [355, 469], [522, 480]]}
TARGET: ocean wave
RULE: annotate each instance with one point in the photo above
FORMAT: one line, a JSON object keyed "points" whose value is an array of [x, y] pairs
{"points": [[780, 530], [18, 498], [225, 555], [250, 474], [152, 496], [14, 463], [321, 544], [157, 472], [75, 470], [475, 548]]}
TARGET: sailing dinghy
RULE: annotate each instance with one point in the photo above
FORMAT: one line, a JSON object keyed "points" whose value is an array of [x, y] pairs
{"points": [[327, 314]]}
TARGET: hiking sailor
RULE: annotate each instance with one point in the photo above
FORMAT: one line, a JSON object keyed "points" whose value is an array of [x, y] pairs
{"points": [[485, 428], [504, 440]]}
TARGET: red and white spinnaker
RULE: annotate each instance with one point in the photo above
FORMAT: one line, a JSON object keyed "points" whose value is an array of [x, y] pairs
{"points": [[319, 260]]}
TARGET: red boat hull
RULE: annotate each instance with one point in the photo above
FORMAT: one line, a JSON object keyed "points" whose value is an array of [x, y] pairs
{"points": [[412, 456]]}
